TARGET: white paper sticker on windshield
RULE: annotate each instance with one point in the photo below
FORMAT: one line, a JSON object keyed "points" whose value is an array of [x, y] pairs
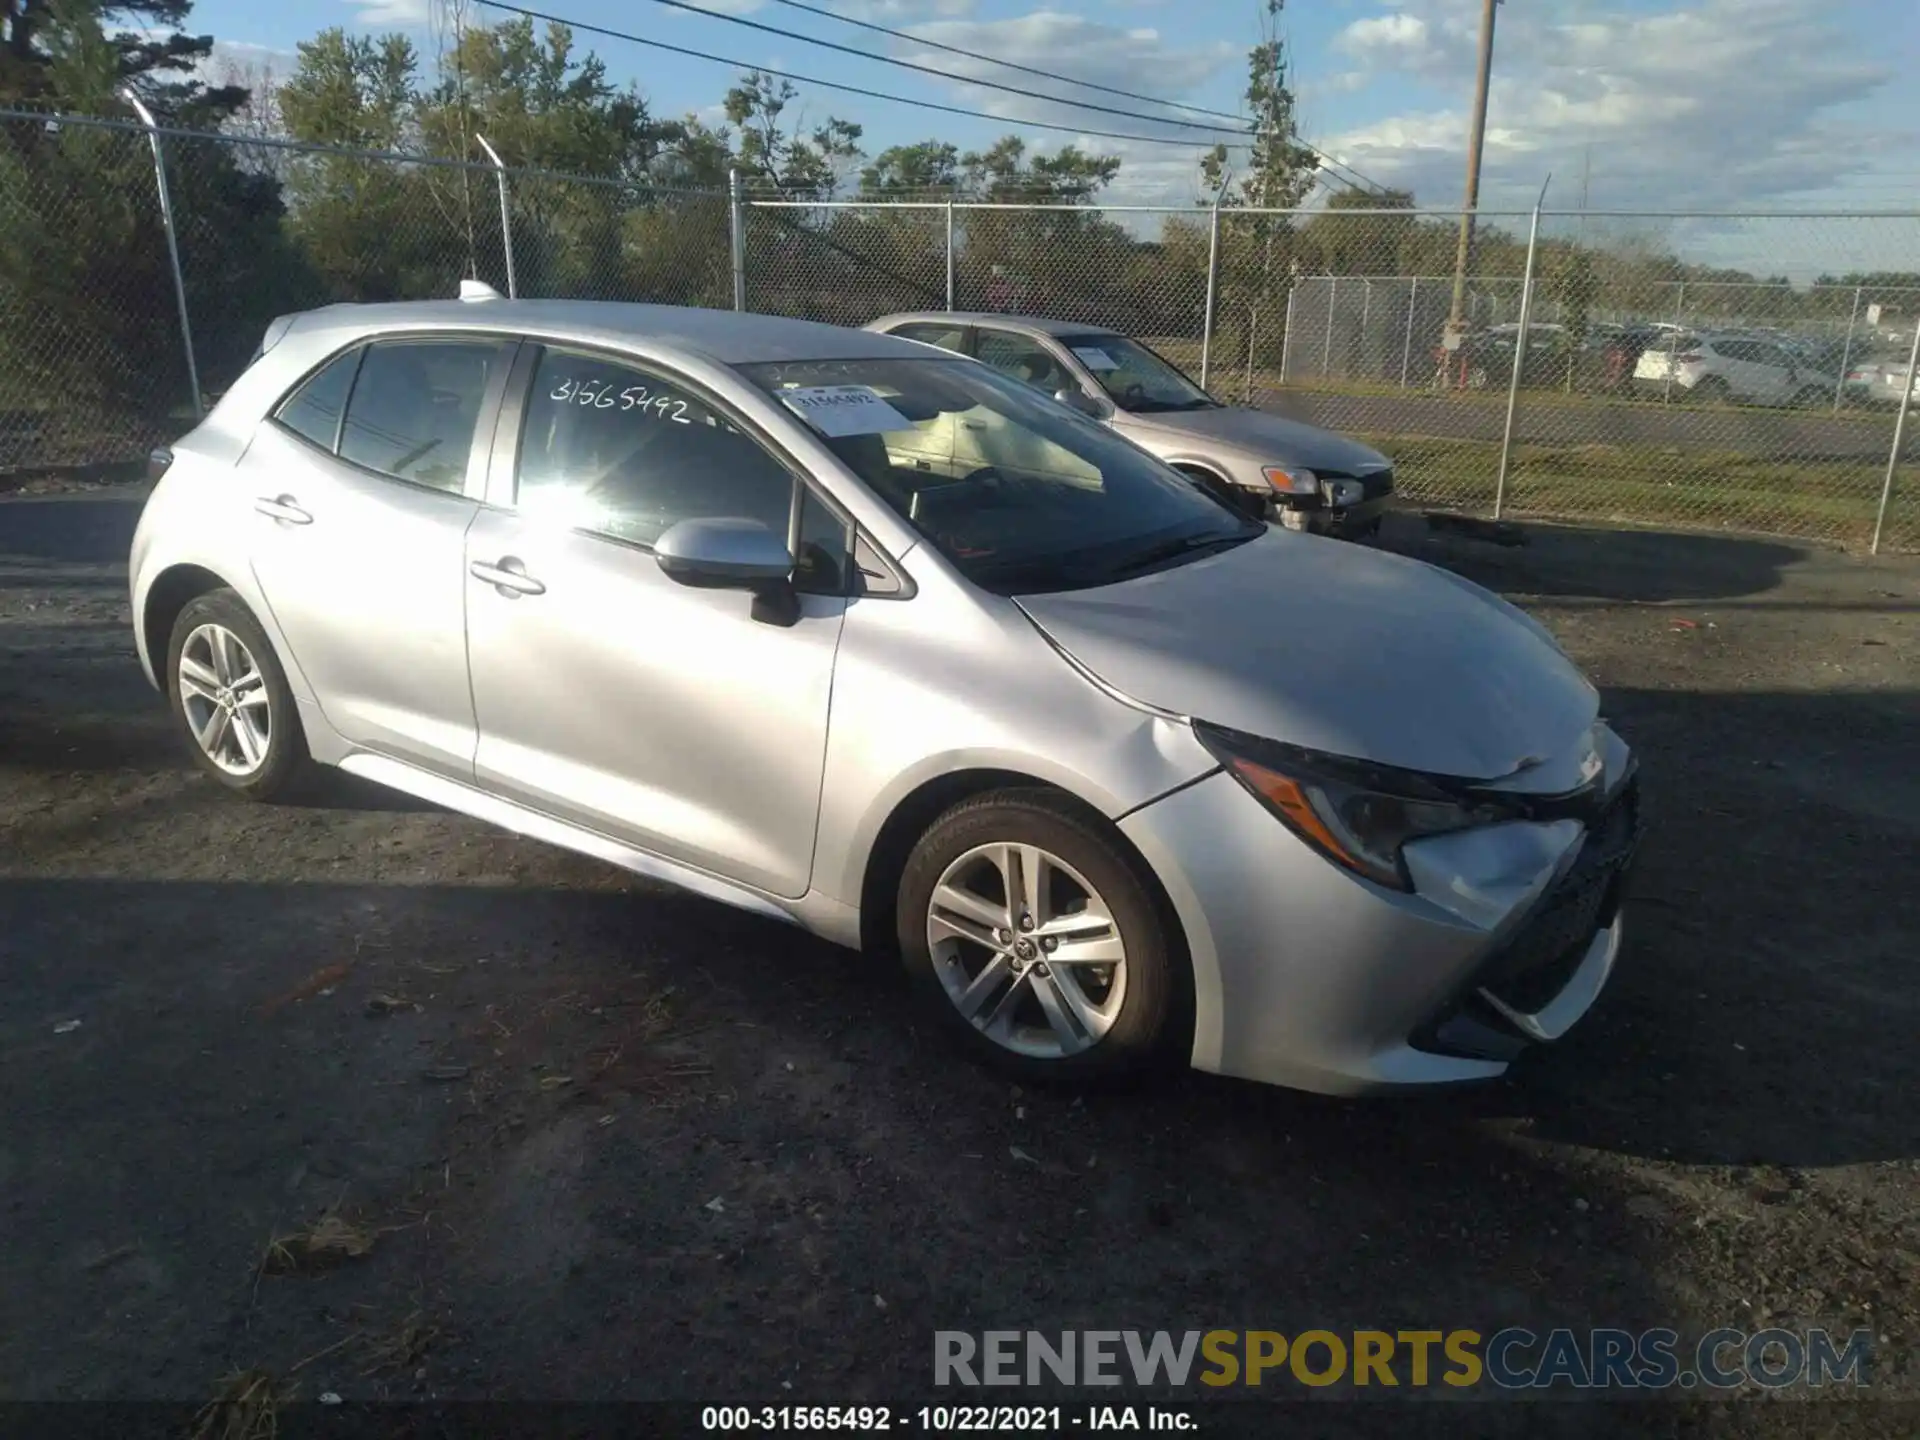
{"points": [[836, 410], [1094, 358]]}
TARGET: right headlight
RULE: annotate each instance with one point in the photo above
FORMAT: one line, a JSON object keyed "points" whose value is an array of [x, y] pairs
{"points": [[1359, 815]]}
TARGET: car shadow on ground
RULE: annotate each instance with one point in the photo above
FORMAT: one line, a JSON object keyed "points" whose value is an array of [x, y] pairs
{"points": [[1635, 566]]}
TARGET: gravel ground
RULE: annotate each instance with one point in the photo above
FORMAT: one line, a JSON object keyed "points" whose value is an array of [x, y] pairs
{"points": [[367, 1098]]}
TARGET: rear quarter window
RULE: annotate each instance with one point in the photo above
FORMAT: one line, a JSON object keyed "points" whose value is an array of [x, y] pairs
{"points": [[313, 410]]}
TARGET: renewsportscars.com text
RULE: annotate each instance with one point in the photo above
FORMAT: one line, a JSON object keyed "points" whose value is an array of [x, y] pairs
{"points": [[1511, 1359]]}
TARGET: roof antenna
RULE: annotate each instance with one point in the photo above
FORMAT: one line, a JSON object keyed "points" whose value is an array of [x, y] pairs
{"points": [[477, 290]]}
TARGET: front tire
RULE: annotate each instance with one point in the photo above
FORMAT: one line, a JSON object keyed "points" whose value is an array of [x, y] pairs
{"points": [[230, 698], [1031, 934]]}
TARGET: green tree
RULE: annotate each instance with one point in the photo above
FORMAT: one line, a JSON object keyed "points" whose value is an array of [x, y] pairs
{"points": [[371, 229], [778, 156], [1280, 171], [86, 288], [910, 172], [74, 54], [1339, 242]]}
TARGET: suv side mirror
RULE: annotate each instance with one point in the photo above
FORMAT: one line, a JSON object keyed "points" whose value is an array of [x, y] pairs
{"points": [[732, 554], [1074, 398]]}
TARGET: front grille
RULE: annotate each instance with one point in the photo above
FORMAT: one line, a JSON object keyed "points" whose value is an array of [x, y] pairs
{"points": [[1372, 486], [1541, 956]]}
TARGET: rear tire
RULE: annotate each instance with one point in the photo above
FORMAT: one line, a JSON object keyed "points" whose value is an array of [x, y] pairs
{"points": [[231, 701], [1080, 979]]}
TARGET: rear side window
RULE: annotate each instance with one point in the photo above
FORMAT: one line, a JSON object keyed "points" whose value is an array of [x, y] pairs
{"points": [[414, 407], [313, 411], [947, 337]]}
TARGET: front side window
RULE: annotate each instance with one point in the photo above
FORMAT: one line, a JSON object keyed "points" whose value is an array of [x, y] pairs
{"points": [[1025, 359], [414, 407], [313, 411], [627, 453], [1021, 494], [1134, 377]]}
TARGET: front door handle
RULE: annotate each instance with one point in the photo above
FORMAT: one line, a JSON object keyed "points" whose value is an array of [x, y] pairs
{"points": [[281, 507], [508, 575]]}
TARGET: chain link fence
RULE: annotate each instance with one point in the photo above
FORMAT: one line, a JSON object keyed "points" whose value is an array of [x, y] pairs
{"points": [[1654, 379]]}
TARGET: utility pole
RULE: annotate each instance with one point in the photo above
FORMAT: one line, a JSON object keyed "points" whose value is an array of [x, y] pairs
{"points": [[1455, 316]]}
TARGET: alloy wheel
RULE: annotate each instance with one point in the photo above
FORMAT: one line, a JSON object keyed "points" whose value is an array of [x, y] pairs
{"points": [[224, 695], [1027, 950]]}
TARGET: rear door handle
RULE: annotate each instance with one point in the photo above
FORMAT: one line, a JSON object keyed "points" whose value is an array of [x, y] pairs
{"points": [[281, 507], [508, 575]]}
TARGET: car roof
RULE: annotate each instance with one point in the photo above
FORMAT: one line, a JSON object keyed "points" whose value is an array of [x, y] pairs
{"points": [[1031, 324], [727, 336]]}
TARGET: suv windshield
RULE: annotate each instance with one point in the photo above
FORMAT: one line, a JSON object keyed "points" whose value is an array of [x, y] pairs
{"points": [[1022, 494], [1134, 377]]}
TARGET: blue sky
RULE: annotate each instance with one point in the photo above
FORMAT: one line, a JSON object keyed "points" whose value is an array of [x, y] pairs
{"points": [[1663, 104]]}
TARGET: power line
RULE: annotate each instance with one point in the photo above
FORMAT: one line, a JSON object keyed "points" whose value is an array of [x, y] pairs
{"points": [[847, 89], [1010, 64], [1239, 129], [1024, 94]]}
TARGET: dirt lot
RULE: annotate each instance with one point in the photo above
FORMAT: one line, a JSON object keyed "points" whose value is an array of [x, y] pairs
{"points": [[372, 1099]]}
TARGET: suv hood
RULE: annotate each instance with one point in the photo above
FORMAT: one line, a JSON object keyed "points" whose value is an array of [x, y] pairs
{"points": [[1269, 439], [1336, 647]]}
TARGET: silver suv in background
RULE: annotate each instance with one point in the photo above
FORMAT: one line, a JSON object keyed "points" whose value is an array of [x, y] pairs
{"points": [[1309, 478]]}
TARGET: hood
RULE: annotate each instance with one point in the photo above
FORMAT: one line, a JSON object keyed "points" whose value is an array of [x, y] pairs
{"points": [[1336, 647], [1270, 439]]}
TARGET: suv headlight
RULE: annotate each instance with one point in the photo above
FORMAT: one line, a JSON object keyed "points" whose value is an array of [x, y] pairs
{"points": [[1357, 814]]}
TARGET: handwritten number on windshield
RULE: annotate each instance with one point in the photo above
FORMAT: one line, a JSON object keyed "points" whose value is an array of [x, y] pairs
{"points": [[601, 395]]}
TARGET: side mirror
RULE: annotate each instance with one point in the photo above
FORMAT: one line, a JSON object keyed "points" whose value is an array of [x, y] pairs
{"points": [[732, 554], [1075, 398]]}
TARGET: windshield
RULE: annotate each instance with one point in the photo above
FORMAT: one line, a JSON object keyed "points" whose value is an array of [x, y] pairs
{"points": [[1022, 494], [1134, 377]]}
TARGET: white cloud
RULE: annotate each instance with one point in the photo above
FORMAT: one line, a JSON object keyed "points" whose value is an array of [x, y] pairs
{"points": [[892, 12], [391, 12], [1713, 104], [1135, 58], [1385, 38]]}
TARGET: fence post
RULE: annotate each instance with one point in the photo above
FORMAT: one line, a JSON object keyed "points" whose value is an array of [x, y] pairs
{"points": [[506, 219], [949, 254], [1366, 320], [737, 235], [1673, 341], [1846, 352], [1326, 350], [1519, 355], [1286, 337], [1406, 346], [1213, 277], [1899, 436], [173, 243], [1253, 330]]}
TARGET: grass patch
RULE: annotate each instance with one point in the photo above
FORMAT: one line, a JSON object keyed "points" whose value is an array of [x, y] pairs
{"points": [[245, 1406], [325, 1243], [1830, 500]]}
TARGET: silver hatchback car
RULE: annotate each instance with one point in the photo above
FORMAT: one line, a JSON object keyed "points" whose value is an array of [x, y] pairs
{"points": [[715, 597]]}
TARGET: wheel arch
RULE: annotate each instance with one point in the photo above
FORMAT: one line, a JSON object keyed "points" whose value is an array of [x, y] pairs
{"points": [[914, 814], [172, 590]]}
